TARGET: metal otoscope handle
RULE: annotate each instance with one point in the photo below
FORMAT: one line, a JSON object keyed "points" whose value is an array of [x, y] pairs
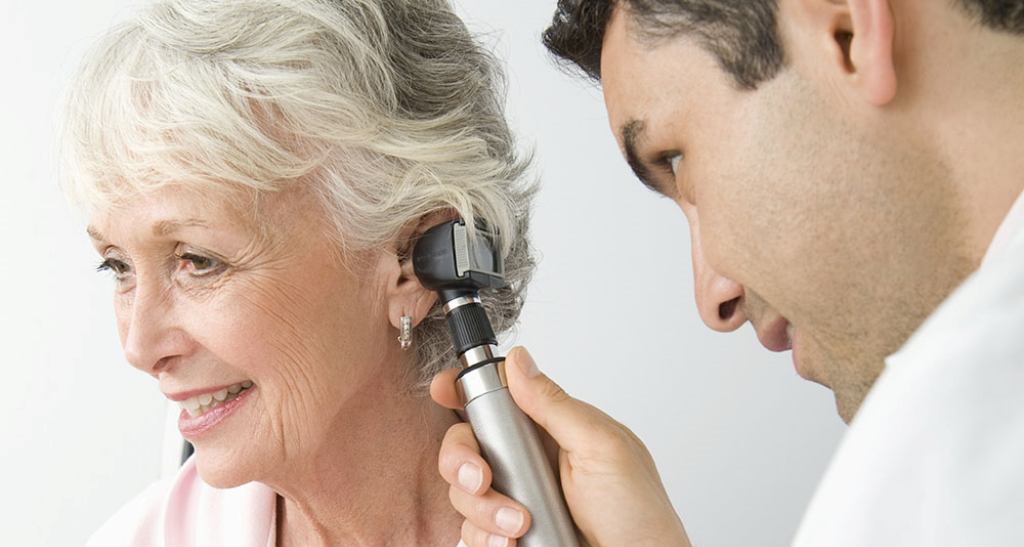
{"points": [[446, 259], [509, 442]]}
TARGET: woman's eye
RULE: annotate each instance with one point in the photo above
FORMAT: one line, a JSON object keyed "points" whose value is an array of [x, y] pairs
{"points": [[201, 265], [113, 265]]}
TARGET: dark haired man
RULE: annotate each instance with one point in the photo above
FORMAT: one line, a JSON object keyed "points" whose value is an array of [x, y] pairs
{"points": [[852, 173]]}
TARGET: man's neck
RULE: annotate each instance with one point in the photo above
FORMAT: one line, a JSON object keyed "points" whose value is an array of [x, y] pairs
{"points": [[969, 83]]}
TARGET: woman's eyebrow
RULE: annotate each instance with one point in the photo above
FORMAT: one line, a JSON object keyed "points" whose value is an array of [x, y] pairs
{"points": [[166, 227], [160, 228]]}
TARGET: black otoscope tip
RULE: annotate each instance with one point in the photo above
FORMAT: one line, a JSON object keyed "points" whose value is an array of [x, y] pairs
{"points": [[446, 262]]}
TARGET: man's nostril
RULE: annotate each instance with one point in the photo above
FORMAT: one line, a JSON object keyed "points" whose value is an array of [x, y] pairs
{"points": [[726, 309]]}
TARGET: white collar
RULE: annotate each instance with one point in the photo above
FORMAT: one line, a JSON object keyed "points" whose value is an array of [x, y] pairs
{"points": [[1010, 229]]}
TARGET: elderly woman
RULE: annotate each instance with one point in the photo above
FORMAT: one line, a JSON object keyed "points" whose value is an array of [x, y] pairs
{"points": [[256, 173]]}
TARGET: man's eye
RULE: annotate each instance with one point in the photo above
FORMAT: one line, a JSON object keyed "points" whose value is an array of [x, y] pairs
{"points": [[674, 163]]}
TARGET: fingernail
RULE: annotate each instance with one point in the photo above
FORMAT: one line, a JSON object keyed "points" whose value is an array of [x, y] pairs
{"points": [[470, 477], [509, 520], [497, 541], [526, 363]]}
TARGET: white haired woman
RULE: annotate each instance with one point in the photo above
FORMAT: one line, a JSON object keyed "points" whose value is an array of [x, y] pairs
{"points": [[256, 173]]}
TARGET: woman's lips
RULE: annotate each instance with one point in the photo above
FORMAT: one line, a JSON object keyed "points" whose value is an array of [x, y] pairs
{"points": [[201, 401], [193, 426]]}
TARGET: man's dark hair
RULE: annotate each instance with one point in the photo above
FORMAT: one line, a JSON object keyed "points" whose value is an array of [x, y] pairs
{"points": [[741, 34]]}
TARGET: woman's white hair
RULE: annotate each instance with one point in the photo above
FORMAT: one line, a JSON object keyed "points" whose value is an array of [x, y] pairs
{"points": [[390, 109]]}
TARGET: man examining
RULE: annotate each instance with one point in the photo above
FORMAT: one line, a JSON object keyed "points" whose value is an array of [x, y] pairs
{"points": [[852, 173]]}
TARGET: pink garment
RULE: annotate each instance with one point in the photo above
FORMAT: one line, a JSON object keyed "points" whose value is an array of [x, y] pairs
{"points": [[184, 511]]}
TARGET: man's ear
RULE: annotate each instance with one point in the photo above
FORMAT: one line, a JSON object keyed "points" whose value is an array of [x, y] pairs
{"points": [[858, 37]]}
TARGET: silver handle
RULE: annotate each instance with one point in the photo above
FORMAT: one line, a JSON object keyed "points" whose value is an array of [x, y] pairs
{"points": [[509, 442]]}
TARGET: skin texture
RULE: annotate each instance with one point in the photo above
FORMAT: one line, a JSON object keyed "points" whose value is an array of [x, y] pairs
{"points": [[272, 301], [834, 208], [772, 225]]}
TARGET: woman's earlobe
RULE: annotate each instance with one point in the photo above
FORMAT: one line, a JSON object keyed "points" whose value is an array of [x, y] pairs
{"points": [[408, 298]]}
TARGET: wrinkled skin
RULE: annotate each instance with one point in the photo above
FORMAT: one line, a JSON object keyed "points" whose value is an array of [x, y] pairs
{"points": [[215, 290], [839, 227]]}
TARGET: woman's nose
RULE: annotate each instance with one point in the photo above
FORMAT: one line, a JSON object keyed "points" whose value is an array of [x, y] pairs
{"points": [[719, 299], [150, 337]]}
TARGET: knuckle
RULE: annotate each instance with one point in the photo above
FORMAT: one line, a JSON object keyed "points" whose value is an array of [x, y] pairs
{"points": [[453, 496], [467, 534], [454, 451], [554, 392], [473, 536]]}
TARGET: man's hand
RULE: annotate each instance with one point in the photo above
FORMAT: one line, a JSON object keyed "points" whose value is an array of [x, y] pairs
{"points": [[609, 479]]}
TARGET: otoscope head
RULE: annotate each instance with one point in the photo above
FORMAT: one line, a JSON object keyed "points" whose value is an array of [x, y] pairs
{"points": [[445, 262]]}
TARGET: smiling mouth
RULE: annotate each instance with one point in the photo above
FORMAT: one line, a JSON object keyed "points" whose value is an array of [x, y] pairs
{"points": [[201, 404]]}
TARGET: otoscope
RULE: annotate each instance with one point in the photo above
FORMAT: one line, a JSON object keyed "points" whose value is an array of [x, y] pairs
{"points": [[445, 261]]}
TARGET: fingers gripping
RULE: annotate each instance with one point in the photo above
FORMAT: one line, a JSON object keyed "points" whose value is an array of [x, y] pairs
{"points": [[460, 462], [491, 512], [486, 511], [475, 537], [442, 389]]}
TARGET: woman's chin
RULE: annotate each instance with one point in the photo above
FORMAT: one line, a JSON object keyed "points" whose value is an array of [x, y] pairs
{"points": [[221, 471]]}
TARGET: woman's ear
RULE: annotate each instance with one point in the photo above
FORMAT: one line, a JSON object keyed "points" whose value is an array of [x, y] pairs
{"points": [[858, 38], [405, 295]]}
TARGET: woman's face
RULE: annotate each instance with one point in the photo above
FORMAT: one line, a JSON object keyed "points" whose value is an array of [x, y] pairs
{"points": [[211, 299]]}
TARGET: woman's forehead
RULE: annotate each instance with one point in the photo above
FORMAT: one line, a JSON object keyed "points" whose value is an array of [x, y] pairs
{"points": [[168, 209]]}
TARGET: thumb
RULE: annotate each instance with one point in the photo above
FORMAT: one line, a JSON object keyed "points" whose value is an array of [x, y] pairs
{"points": [[570, 422]]}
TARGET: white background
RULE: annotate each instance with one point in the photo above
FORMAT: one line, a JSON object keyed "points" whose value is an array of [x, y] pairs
{"points": [[740, 440]]}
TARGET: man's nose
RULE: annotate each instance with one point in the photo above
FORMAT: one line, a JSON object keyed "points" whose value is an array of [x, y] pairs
{"points": [[718, 298], [150, 335]]}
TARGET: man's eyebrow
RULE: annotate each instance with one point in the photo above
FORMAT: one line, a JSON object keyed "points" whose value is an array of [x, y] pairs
{"points": [[94, 234], [633, 133]]}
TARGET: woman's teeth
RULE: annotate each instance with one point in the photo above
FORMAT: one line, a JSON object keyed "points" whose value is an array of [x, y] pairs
{"points": [[206, 402]]}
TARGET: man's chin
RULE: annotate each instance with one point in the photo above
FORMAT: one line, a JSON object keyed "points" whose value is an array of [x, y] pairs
{"points": [[846, 413], [849, 399]]}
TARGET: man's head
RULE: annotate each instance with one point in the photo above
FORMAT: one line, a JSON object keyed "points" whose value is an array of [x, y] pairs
{"points": [[825, 207]]}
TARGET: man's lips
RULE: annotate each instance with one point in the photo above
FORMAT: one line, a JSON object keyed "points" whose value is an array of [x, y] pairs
{"points": [[775, 336]]}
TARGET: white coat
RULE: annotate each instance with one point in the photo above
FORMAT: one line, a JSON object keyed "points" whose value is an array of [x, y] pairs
{"points": [[935, 455]]}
